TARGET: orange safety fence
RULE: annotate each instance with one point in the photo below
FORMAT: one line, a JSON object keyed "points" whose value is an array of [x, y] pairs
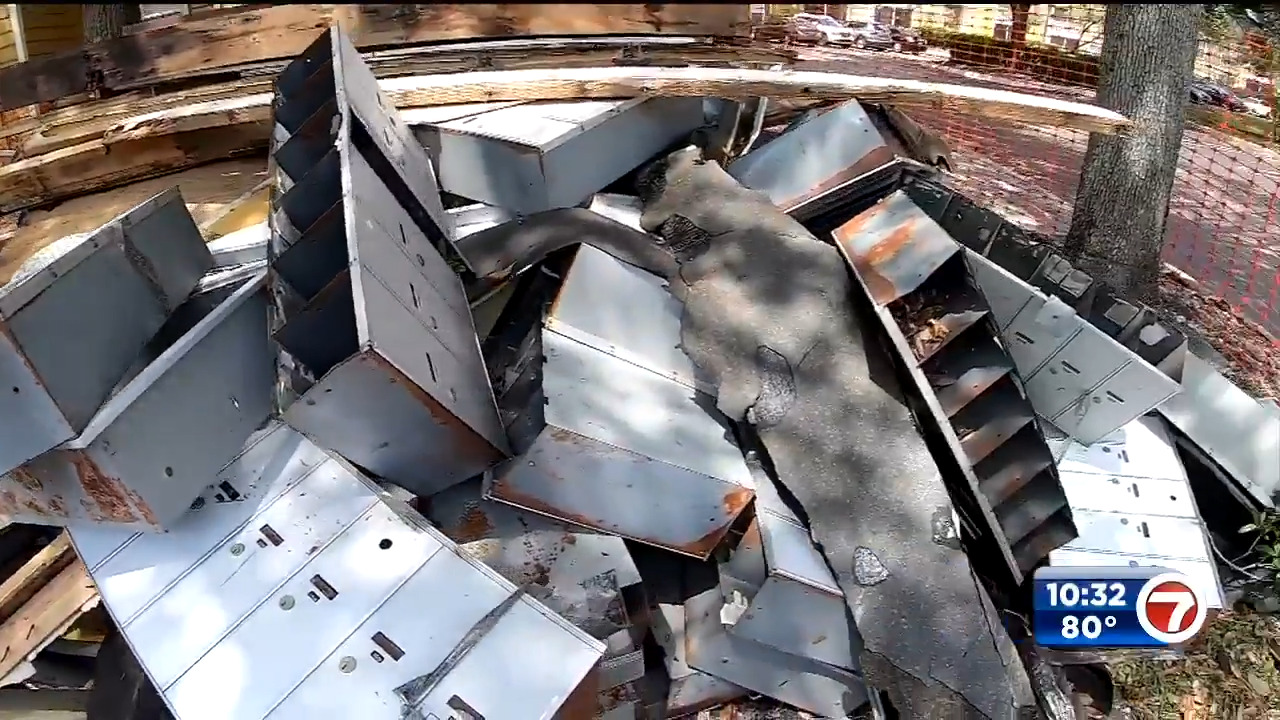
{"points": [[1223, 227]]}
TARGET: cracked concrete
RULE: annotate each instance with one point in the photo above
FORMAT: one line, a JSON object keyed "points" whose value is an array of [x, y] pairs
{"points": [[770, 315]]}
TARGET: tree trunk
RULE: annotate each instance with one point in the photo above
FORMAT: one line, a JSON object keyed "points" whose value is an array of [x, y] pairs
{"points": [[1117, 229], [107, 22]]}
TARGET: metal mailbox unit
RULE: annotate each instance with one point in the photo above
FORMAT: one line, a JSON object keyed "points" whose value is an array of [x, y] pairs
{"points": [[533, 157], [1133, 504], [1091, 361], [621, 440], [939, 322], [312, 594], [74, 317], [1241, 435], [690, 689], [151, 449], [379, 358]]}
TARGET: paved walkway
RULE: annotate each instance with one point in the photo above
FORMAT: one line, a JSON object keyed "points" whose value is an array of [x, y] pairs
{"points": [[1224, 223]]}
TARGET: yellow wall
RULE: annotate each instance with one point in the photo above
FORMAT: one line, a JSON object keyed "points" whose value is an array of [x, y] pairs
{"points": [[51, 29], [8, 49]]}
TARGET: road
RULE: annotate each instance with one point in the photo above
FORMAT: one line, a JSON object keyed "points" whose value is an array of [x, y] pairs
{"points": [[1224, 219]]}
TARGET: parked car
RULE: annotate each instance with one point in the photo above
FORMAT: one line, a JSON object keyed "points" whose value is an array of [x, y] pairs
{"points": [[1205, 92], [823, 29], [1257, 107], [870, 35], [906, 40]]}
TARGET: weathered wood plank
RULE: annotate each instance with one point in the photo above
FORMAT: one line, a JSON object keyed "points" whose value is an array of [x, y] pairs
{"points": [[186, 136], [282, 31], [207, 190], [735, 83], [46, 615], [38, 571], [77, 124]]}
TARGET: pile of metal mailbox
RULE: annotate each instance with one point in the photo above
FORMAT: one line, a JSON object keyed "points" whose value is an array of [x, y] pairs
{"points": [[379, 458]]}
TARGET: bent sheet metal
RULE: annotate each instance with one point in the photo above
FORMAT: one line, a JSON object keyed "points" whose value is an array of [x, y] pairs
{"points": [[75, 315], [625, 442], [585, 577], [779, 598], [940, 325], [379, 358], [312, 594], [151, 449]]}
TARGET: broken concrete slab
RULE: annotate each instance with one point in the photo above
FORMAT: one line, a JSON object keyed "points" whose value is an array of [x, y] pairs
{"points": [[529, 158], [767, 314]]}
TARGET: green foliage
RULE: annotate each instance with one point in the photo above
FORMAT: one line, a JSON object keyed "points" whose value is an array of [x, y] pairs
{"points": [[1266, 542]]}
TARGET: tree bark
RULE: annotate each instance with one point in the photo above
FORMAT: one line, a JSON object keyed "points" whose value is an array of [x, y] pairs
{"points": [[107, 22], [1122, 204]]}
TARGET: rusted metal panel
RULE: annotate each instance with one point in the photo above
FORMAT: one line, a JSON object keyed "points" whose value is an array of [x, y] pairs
{"points": [[797, 584], [619, 437], [690, 690], [941, 327], [157, 443], [585, 577], [326, 597], [75, 315], [1029, 259], [379, 359]]}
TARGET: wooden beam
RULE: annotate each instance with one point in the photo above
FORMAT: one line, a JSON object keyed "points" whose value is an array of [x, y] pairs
{"points": [[98, 165], [76, 124], [208, 190], [50, 611], [742, 84], [37, 572], [19, 31], [283, 31], [172, 139]]}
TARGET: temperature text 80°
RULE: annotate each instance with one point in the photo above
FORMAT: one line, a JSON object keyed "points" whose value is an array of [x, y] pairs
{"points": [[1089, 626]]}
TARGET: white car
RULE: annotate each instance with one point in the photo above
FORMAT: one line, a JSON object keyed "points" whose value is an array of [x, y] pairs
{"points": [[1257, 107], [830, 31]]}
